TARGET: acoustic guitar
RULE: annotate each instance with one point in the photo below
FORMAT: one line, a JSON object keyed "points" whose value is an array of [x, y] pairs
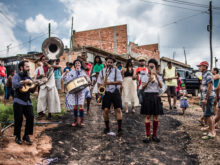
{"points": [[26, 87]]}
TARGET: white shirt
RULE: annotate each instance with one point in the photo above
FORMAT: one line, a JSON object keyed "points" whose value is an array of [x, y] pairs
{"points": [[111, 78], [184, 92], [151, 87]]}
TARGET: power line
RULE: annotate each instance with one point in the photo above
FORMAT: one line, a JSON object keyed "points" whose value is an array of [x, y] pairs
{"points": [[191, 4], [146, 1], [182, 19], [194, 4], [27, 42], [12, 22], [187, 3]]}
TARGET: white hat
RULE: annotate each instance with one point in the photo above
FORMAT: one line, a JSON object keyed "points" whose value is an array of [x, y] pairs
{"points": [[142, 57]]}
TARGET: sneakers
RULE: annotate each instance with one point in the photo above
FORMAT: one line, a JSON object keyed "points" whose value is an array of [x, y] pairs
{"points": [[49, 116], [120, 131], [147, 139], [155, 139], [40, 115], [106, 130], [18, 140], [27, 139]]}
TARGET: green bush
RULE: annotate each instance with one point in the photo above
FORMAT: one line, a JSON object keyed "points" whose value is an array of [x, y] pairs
{"points": [[6, 114], [1, 90]]}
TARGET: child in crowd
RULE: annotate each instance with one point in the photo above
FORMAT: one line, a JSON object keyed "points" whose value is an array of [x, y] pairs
{"points": [[183, 99]]}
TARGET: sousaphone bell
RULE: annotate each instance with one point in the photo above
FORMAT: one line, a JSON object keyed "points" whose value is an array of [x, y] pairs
{"points": [[52, 48]]}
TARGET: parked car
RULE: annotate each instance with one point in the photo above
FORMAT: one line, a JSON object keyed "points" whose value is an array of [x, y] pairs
{"points": [[191, 80]]}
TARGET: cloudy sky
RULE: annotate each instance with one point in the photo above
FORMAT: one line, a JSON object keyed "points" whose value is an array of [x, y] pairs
{"points": [[173, 23]]}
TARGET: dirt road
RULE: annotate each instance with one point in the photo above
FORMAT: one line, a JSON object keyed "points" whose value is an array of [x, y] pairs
{"points": [[89, 145], [180, 136]]}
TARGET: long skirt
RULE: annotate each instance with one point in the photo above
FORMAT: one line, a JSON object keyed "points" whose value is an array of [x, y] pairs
{"points": [[48, 98], [152, 104], [129, 91]]}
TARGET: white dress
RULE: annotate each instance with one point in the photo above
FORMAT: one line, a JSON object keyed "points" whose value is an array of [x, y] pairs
{"points": [[129, 91], [48, 96]]}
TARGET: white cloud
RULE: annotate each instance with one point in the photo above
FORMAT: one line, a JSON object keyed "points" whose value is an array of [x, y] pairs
{"points": [[8, 22], [144, 21], [100, 13], [66, 42], [39, 24]]}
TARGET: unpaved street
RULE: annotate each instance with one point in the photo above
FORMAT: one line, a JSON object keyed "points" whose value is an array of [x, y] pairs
{"points": [[180, 136], [89, 145]]}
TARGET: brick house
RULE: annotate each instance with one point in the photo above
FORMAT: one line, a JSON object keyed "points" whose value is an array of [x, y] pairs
{"points": [[113, 39], [103, 42]]}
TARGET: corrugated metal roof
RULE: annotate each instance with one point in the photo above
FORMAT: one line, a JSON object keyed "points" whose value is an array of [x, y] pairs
{"points": [[175, 62]]}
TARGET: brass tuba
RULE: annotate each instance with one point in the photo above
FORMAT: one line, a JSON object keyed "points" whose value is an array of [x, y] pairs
{"points": [[52, 48]]}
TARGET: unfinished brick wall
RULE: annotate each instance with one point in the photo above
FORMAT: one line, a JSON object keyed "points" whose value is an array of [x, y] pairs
{"points": [[144, 50], [65, 58], [151, 47], [112, 39]]}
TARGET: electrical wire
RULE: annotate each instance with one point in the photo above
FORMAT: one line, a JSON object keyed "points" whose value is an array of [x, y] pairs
{"points": [[24, 43], [182, 19], [12, 22], [146, 1], [187, 3]]}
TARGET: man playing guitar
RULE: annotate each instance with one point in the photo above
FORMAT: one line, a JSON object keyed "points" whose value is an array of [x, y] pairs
{"points": [[22, 103]]}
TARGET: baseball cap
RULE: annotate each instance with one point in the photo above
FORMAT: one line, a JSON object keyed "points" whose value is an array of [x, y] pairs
{"points": [[204, 63]]}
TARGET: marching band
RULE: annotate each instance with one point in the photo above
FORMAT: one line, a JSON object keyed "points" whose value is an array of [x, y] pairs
{"points": [[114, 87]]}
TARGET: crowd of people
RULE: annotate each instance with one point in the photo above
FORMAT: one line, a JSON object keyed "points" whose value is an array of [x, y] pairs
{"points": [[123, 87]]}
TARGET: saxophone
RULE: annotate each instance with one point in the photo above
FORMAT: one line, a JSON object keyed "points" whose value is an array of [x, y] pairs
{"points": [[101, 89]]}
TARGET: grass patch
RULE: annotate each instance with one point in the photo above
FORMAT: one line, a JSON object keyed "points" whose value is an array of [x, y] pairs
{"points": [[1, 90], [6, 112]]}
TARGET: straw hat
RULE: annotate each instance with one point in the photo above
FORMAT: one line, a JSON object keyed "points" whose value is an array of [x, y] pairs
{"points": [[142, 57]]}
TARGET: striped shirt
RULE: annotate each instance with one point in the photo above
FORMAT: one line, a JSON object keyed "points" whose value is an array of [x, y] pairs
{"points": [[206, 79]]}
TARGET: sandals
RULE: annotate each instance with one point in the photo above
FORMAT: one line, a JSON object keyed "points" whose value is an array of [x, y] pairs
{"points": [[208, 136], [204, 128]]}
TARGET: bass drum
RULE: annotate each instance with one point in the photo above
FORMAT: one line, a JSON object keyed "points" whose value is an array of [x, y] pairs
{"points": [[76, 85]]}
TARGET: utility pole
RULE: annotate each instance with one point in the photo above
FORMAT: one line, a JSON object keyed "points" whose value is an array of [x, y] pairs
{"points": [[71, 42], [49, 30], [185, 55], [71, 33], [210, 33], [216, 60], [8, 47], [174, 54], [29, 48]]}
